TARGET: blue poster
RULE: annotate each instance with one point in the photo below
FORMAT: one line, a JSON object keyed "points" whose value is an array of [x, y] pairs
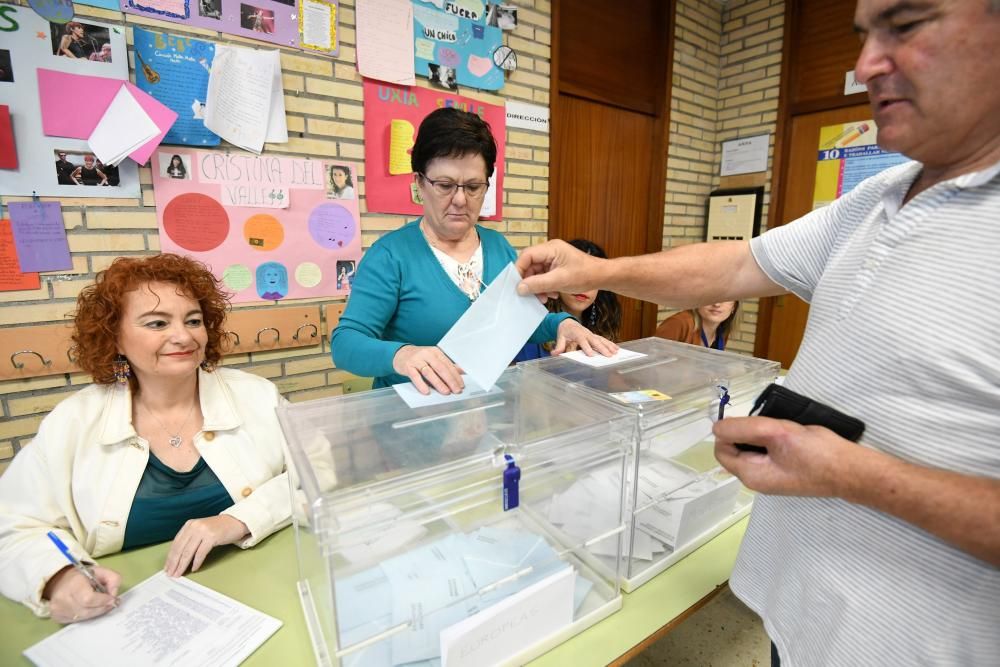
{"points": [[453, 46], [103, 4], [174, 70]]}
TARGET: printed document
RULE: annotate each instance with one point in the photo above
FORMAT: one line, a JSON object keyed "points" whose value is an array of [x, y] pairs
{"points": [[162, 621]]}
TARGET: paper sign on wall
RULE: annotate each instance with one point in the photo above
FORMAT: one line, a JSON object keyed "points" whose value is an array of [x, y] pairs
{"points": [[11, 276], [848, 154], [454, 46], [269, 227], [746, 155]]}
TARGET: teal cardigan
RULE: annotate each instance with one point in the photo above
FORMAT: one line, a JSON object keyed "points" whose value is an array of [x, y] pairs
{"points": [[402, 296]]}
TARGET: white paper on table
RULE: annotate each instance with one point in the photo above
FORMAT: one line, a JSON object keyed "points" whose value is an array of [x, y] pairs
{"points": [[161, 621], [385, 40], [415, 399], [599, 360], [124, 127], [494, 328], [277, 125], [520, 620], [240, 94]]}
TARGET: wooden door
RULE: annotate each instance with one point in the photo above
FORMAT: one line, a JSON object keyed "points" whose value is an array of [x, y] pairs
{"points": [[609, 118], [785, 316]]}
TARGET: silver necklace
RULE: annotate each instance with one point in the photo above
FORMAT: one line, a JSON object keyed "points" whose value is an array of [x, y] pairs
{"points": [[175, 439]]}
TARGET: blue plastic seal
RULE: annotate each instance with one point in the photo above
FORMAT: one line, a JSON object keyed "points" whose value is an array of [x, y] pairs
{"points": [[511, 481]]}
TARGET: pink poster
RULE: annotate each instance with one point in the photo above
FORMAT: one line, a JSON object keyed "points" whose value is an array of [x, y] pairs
{"points": [[392, 116], [270, 227]]}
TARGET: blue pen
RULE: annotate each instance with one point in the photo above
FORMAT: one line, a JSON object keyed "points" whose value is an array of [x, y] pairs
{"points": [[80, 567]]}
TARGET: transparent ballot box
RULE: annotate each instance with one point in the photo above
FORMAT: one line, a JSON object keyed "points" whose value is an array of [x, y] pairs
{"points": [[678, 494], [443, 535]]}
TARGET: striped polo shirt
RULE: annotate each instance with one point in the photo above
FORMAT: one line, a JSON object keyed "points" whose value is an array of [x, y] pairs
{"points": [[904, 333]]}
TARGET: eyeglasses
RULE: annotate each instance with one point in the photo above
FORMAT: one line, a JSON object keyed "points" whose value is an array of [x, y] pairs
{"points": [[446, 188]]}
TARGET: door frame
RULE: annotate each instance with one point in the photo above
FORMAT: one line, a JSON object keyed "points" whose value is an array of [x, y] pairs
{"points": [[658, 172]]}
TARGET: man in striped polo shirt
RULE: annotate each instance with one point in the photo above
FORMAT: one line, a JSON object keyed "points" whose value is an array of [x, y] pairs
{"points": [[885, 552]]}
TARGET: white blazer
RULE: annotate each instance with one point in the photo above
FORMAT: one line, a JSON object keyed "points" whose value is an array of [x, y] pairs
{"points": [[79, 475]]}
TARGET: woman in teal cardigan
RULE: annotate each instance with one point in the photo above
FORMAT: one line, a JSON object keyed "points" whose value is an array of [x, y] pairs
{"points": [[414, 283]]}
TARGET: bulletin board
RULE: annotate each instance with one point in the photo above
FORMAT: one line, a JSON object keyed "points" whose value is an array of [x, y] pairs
{"points": [[848, 154], [270, 227], [392, 115], [453, 46], [46, 163], [274, 21]]}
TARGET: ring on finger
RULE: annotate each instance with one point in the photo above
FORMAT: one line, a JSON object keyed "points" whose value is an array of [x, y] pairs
{"points": [[423, 368], [76, 617]]}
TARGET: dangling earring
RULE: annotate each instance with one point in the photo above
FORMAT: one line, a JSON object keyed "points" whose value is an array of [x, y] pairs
{"points": [[121, 369], [593, 316]]}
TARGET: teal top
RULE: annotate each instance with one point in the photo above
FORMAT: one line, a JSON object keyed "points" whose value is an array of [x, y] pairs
{"points": [[402, 296], [166, 499]]}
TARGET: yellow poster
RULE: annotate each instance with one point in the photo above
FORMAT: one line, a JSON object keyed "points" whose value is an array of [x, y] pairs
{"points": [[848, 154]]}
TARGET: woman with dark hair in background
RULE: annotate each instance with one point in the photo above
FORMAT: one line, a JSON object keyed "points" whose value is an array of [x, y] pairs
{"points": [[598, 310], [416, 282]]}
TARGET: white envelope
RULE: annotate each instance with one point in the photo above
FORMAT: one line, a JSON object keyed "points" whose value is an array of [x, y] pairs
{"points": [[491, 332]]}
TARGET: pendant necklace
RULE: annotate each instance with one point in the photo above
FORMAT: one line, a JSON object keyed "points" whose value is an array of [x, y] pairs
{"points": [[175, 439]]}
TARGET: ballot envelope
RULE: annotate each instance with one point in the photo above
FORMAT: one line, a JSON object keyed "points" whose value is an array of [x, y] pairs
{"points": [[679, 497], [429, 536]]}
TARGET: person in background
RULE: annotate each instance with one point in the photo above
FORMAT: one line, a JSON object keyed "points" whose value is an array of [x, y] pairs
{"points": [[176, 168], [413, 284], [164, 446], [598, 310], [709, 325], [341, 186], [64, 170], [88, 173], [887, 551], [71, 43], [102, 56]]}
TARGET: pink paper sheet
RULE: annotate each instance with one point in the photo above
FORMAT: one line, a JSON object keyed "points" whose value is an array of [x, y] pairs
{"points": [[73, 104]]}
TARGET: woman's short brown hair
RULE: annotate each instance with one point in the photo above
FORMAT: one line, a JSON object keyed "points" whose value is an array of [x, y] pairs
{"points": [[99, 307]]}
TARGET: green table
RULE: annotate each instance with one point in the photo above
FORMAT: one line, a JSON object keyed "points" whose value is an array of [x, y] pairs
{"points": [[264, 578]]}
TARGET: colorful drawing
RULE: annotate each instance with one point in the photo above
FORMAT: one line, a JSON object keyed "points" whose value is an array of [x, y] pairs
{"points": [[392, 115], [848, 154], [271, 21], [454, 46], [220, 214], [29, 48]]}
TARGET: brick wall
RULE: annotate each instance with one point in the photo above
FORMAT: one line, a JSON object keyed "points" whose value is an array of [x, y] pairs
{"points": [[323, 100], [727, 68]]}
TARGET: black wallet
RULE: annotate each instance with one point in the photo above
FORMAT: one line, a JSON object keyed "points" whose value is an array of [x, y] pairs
{"points": [[782, 403]]}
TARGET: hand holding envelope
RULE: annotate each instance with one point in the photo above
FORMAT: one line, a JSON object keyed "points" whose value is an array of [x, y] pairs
{"points": [[493, 329]]}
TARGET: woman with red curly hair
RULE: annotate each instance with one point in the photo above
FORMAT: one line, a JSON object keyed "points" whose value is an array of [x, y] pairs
{"points": [[163, 446]]}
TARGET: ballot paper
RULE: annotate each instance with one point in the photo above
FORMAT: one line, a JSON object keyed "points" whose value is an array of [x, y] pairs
{"points": [[123, 128], [415, 399], [498, 324], [599, 360], [161, 621], [245, 103]]}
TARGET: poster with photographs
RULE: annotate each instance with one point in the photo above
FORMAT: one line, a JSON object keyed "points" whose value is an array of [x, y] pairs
{"points": [[58, 166], [454, 46], [274, 21], [270, 227]]}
